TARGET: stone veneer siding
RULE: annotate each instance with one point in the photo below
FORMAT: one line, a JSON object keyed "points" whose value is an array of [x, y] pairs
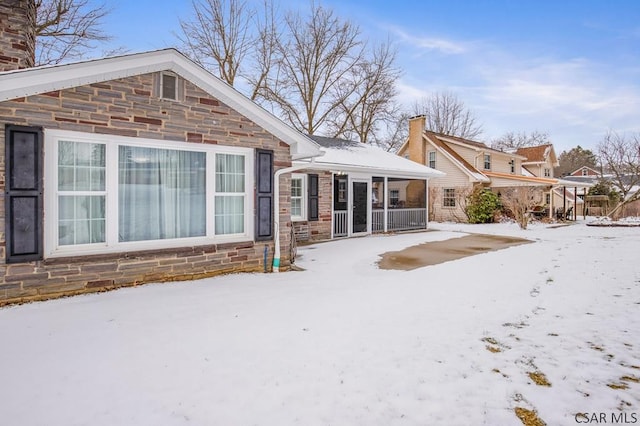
{"points": [[318, 230], [129, 107], [18, 35]]}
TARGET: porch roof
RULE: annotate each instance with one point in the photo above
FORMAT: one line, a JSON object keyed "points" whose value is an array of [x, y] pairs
{"points": [[355, 157]]}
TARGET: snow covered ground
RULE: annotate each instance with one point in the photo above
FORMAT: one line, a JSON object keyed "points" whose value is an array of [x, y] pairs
{"points": [[345, 343]]}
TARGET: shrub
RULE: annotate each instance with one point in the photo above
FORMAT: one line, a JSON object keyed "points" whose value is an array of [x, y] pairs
{"points": [[482, 206]]}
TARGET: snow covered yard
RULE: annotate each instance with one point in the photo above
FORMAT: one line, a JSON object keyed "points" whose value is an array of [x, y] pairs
{"points": [[345, 343]]}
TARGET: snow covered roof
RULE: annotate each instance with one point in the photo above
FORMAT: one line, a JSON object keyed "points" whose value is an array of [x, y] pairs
{"points": [[348, 156], [32, 81]]}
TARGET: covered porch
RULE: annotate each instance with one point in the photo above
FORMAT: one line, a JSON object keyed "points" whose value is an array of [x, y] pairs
{"points": [[372, 190], [392, 204]]}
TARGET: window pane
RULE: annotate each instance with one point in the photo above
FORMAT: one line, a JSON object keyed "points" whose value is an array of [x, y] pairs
{"points": [[82, 179], [65, 178], [296, 207], [81, 166], [81, 219], [296, 187], [161, 194], [229, 173], [229, 214]]}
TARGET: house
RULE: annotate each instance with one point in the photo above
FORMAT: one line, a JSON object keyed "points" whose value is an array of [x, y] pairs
{"points": [[586, 172], [470, 164], [352, 189], [539, 160], [132, 169]]}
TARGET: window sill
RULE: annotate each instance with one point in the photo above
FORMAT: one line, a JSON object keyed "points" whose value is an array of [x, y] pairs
{"points": [[194, 250]]}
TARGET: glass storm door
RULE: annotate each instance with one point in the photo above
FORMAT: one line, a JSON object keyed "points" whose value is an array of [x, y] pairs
{"points": [[360, 204]]}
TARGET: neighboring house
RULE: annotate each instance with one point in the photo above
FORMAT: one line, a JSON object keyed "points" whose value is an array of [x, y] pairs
{"points": [[469, 164], [352, 190], [586, 172], [539, 160], [132, 169]]}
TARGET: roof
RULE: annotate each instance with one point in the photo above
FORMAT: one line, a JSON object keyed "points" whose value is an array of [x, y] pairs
{"points": [[464, 165], [522, 178], [348, 156], [595, 172], [538, 154], [32, 81]]}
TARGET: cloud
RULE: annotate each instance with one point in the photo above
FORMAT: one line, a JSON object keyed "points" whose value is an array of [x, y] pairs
{"points": [[574, 99], [429, 43]]}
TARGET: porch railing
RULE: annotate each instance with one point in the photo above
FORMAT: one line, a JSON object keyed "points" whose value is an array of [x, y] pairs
{"points": [[397, 220], [340, 228], [400, 219]]}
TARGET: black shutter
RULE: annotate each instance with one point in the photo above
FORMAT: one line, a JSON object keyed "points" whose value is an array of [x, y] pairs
{"points": [[264, 194], [313, 197], [23, 193]]}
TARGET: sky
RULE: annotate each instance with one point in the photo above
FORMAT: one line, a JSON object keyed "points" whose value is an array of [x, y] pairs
{"points": [[346, 343], [570, 68]]}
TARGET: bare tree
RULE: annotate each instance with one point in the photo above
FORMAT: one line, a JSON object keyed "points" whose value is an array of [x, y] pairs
{"points": [[519, 201], [308, 84], [67, 29], [218, 37], [514, 140], [314, 71], [393, 131], [264, 49], [447, 114], [369, 101], [620, 157]]}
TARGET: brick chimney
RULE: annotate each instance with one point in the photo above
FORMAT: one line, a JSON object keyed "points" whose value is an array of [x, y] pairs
{"points": [[416, 145], [17, 34]]}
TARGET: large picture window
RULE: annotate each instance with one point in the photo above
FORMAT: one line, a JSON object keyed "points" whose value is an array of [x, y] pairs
{"points": [[161, 194], [108, 194]]}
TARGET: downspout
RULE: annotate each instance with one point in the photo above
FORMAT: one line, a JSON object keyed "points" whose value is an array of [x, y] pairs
{"points": [[276, 209]]}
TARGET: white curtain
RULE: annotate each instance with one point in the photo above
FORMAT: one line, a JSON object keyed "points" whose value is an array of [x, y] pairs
{"points": [[161, 194]]}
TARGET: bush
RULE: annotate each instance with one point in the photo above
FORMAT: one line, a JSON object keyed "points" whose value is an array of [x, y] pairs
{"points": [[482, 206]]}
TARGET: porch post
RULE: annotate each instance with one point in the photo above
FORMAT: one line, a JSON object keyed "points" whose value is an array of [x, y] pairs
{"points": [[575, 203], [584, 203], [384, 203], [426, 205]]}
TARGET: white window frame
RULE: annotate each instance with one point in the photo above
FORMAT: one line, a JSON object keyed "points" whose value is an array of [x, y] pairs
{"points": [[112, 144], [391, 197], [547, 172], [487, 161], [449, 194], [303, 197], [431, 161]]}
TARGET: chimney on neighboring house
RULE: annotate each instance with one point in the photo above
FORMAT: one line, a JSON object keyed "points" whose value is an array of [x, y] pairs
{"points": [[416, 145], [17, 34]]}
